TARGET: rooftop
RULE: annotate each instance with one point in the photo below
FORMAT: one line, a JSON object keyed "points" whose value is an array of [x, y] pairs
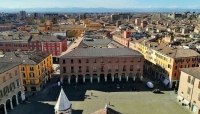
{"points": [[48, 38], [27, 58], [101, 52], [7, 66], [96, 42], [193, 71]]}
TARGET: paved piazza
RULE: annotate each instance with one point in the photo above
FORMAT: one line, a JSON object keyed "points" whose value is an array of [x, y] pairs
{"points": [[122, 100]]}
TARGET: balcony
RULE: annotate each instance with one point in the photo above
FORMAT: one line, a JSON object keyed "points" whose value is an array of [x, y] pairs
{"points": [[131, 69], [138, 69], [87, 70], [109, 70], [116, 70], [95, 70], [72, 71], [102, 70], [124, 69], [79, 70]]}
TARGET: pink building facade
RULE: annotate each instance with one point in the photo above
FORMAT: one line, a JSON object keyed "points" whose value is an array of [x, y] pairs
{"points": [[101, 65]]}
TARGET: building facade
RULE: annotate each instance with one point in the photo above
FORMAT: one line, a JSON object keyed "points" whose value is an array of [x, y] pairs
{"points": [[36, 67], [11, 86], [189, 89], [101, 64]]}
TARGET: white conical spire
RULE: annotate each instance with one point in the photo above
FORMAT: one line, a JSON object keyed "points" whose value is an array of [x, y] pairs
{"points": [[63, 103]]}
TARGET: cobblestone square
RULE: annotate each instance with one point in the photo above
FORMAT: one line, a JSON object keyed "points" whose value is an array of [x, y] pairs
{"points": [[141, 101]]}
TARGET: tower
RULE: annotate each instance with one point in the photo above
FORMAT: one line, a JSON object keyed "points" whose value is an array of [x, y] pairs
{"points": [[63, 106]]}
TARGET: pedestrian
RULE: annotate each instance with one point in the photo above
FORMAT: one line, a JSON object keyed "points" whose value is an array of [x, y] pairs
{"points": [[91, 93]]}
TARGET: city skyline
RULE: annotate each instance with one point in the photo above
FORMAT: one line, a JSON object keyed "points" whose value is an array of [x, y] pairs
{"points": [[94, 4]]}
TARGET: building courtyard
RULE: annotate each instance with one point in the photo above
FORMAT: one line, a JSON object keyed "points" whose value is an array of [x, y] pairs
{"points": [[92, 97]]}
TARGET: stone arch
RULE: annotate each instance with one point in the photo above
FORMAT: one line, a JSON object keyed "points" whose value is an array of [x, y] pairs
{"points": [[102, 77], [12, 86], [14, 102], [80, 78], [87, 78], [95, 77], [6, 90], [109, 77], [123, 77], [73, 78], [19, 96], [130, 76], [2, 108], [8, 105], [116, 77]]}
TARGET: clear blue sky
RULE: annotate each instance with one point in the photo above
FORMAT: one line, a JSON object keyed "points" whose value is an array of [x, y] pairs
{"points": [[100, 3]]}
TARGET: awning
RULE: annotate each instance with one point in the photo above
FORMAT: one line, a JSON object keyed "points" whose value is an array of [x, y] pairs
{"points": [[166, 81], [179, 97], [186, 102]]}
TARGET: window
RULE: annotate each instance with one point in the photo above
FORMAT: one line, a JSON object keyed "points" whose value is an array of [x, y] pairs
{"points": [[79, 69], [63, 61], [72, 69], [79, 61], [58, 48], [72, 61], [188, 90], [189, 78], [131, 59], [49, 48], [109, 60], [131, 67], [117, 60], [31, 68], [31, 74], [4, 79], [52, 44], [174, 74], [139, 59], [23, 74], [193, 65], [124, 68], [199, 97], [58, 44], [117, 68], [64, 69], [124, 60], [94, 68], [49, 44], [17, 82], [102, 60], [32, 81], [10, 75], [94, 60], [175, 67], [16, 73], [24, 81], [87, 60], [102, 68], [22, 68], [109, 68], [138, 67], [199, 85], [35, 44], [87, 68]]}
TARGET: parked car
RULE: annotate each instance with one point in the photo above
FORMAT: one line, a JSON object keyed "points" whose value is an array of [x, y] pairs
{"points": [[156, 91], [149, 85], [118, 87]]}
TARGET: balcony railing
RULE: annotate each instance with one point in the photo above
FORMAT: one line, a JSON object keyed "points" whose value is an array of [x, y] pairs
{"points": [[109, 70], [124, 69], [72, 71], [95, 70], [116, 69], [131, 69], [87, 70], [102, 70], [79, 70]]}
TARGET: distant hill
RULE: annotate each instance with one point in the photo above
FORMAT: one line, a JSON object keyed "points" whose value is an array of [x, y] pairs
{"points": [[92, 10]]}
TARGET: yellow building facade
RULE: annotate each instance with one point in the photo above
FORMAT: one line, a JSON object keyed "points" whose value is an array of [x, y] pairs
{"points": [[36, 76]]}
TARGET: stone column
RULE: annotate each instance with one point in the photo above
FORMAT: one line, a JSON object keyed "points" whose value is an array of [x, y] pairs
{"points": [[98, 79], [61, 79], [5, 110], [113, 78], [127, 78], [69, 80], [120, 78], [141, 77], [17, 100], [83, 79], [133, 78], [11, 105], [91, 79], [76, 79], [105, 78]]}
